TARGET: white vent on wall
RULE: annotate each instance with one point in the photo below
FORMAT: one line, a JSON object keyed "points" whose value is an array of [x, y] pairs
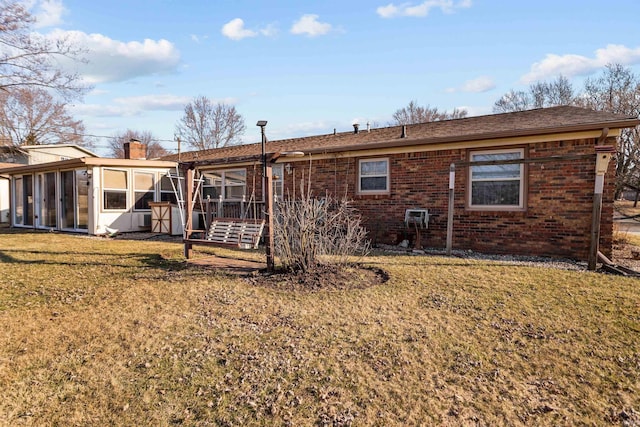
{"points": [[416, 218]]}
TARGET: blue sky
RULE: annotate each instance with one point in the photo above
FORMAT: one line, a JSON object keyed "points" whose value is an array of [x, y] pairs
{"points": [[309, 67]]}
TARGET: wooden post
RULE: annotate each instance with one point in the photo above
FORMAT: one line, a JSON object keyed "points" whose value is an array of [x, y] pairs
{"points": [[452, 180], [603, 155], [208, 214], [268, 193], [188, 201]]}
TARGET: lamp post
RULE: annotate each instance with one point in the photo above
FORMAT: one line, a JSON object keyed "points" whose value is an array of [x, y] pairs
{"points": [[268, 199]]}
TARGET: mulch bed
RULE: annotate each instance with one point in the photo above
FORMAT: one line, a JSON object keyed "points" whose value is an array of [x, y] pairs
{"points": [[321, 277]]}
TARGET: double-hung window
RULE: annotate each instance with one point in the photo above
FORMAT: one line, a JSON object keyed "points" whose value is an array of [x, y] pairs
{"points": [[497, 185], [373, 176], [115, 185], [144, 190]]}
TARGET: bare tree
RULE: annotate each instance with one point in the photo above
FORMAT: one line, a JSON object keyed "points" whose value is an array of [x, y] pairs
{"points": [[310, 231], [30, 116], [207, 125], [154, 148], [414, 113], [617, 90], [28, 59], [539, 95]]}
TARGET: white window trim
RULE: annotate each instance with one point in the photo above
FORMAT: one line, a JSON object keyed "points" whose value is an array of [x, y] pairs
{"points": [[277, 179], [521, 196], [223, 177], [135, 191], [387, 190], [103, 206]]}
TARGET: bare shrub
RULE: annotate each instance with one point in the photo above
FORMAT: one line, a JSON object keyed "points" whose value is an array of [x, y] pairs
{"points": [[308, 228]]}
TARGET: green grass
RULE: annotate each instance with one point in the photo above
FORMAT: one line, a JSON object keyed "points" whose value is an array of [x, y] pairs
{"points": [[115, 332]]}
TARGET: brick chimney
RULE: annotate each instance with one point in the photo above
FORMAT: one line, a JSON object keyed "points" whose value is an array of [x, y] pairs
{"points": [[135, 150]]}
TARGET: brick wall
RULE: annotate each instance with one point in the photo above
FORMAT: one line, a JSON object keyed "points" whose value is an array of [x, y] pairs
{"points": [[556, 221]]}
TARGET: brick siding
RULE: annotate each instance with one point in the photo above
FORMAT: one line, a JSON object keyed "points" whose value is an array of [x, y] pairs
{"points": [[556, 220]]}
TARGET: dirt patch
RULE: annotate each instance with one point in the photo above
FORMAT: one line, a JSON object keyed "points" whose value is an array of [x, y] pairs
{"points": [[321, 277], [626, 254]]}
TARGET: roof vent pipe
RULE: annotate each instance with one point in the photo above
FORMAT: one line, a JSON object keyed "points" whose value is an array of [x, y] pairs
{"points": [[368, 127], [334, 131], [355, 128], [404, 131]]}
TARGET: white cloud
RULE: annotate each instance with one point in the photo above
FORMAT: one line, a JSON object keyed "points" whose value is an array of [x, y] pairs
{"points": [[136, 105], [133, 106], [48, 13], [109, 60], [422, 9], [481, 84], [235, 30], [477, 85], [310, 26], [570, 65]]}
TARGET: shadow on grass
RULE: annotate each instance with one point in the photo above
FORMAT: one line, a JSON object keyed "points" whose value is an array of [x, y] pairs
{"points": [[143, 260]]}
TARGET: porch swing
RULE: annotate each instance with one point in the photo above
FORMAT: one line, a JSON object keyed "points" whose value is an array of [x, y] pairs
{"points": [[242, 232]]}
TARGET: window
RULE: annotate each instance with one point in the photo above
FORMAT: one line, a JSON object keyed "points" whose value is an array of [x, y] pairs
{"points": [[230, 184], [373, 176], [167, 194], [114, 183], [497, 185], [23, 197], [277, 181], [144, 190]]}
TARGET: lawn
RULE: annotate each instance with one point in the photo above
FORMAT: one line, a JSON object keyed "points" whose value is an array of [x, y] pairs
{"points": [[117, 332]]}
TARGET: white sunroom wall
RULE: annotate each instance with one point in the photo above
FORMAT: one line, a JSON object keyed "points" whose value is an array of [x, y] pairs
{"points": [[124, 220]]}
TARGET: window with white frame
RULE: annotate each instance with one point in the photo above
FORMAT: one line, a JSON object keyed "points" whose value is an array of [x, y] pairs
{"points": [[144, 190], [115, 186], [277, 181], [497, 185], [373, 176], [230, 184], [167, 193]]}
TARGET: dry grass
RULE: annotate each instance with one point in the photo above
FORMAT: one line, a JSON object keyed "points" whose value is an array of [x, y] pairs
{"points": [[626, 208], [114, 332]]}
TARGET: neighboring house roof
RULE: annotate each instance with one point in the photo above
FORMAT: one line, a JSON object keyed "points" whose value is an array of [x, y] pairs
{"points": [[522, 123], [87, 162], [49, 147]]}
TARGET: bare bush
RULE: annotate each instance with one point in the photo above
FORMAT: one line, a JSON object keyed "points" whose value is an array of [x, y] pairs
{"points": [[307, 229]]}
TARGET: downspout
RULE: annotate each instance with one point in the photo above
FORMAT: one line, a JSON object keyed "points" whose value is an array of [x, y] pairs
{"points": [[603, 156]]}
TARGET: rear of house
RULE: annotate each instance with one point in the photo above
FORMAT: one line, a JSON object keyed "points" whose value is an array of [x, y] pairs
{"points": [[524, 182]]}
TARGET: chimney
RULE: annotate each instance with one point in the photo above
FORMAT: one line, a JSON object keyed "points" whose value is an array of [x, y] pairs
{"points": [[135, 150], [355, 128]]}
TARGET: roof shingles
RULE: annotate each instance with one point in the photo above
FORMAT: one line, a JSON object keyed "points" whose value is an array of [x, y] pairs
{"points": [[531, 122]]}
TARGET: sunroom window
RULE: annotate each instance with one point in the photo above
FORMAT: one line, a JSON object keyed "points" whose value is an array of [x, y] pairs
{"points": [[497, 185], [144, 190], [115, 189]]}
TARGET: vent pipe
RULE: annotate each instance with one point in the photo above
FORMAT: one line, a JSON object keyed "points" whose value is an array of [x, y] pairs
{"points": [[368, 127], [355, 128], [404, 131]]}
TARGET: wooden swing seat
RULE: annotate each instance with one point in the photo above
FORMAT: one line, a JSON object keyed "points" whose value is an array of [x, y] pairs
{"points": [[241, 233]]}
